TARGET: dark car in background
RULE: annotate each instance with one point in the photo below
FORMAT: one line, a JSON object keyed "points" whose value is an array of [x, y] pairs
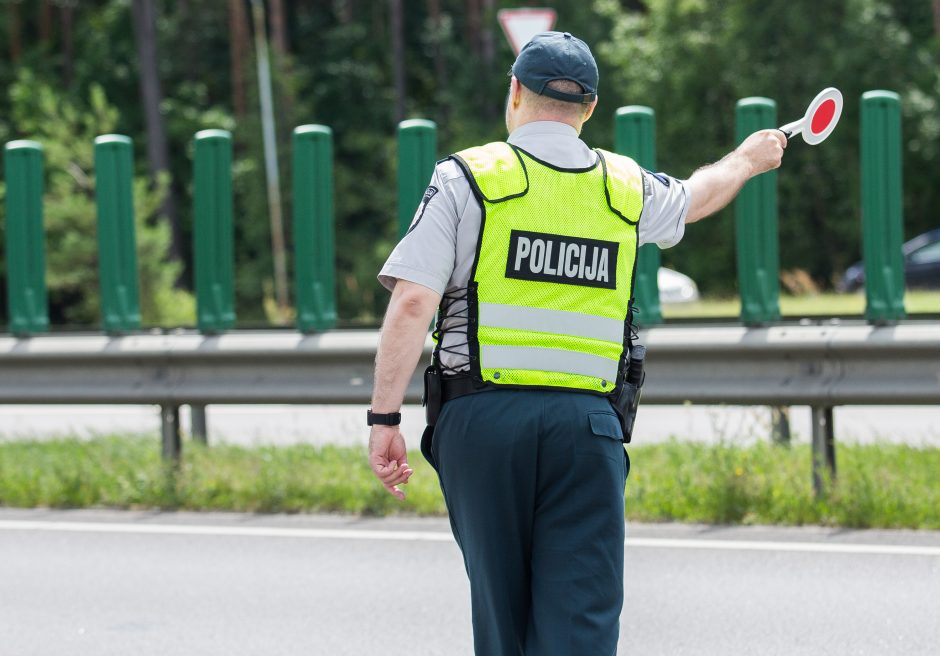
{"points": [[921, 265]]}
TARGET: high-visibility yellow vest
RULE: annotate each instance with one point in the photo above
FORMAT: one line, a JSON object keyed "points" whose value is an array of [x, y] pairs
{"points": [[550, 288]]}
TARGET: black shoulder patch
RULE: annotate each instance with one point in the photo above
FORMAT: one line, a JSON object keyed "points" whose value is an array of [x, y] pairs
{"points": [[429, 193], [662, 178]]}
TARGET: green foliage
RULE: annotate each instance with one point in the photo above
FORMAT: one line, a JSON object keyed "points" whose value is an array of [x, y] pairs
{"points": [[878, 485], [692, 60], [67, 129]]}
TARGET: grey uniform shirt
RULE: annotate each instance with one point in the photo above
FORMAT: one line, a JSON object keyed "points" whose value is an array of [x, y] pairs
{"points": [[439, 249]]}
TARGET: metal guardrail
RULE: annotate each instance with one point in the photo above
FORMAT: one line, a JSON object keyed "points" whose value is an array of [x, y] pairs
{"points": [[819, 365]]}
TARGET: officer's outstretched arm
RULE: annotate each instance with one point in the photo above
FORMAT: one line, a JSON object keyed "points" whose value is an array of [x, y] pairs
{"points": [[712, 187], [400, 345]]}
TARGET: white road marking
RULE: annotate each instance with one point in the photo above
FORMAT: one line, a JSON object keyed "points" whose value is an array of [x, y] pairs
{"points": [[437, 536]]}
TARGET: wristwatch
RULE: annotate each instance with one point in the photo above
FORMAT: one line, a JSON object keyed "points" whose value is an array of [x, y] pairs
{"points": [[386, 419]]}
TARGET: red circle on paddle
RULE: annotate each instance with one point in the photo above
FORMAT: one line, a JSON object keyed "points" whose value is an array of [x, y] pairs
{"points": [[823, 116]]}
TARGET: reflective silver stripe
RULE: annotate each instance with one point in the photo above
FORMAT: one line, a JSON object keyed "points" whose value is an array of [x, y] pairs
{"points": [[547, 359], [556, 322]]}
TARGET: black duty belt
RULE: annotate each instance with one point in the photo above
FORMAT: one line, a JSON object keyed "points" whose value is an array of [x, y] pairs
{"points": [[452, 388]]}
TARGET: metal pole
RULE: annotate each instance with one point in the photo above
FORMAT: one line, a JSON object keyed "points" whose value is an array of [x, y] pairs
{"points": [[170, 431], [314, 260], [780, 425], [755, 218], [117, 248], [882, 207], [24, 239], [417, 148], [212, 237], [824, 448], [199, 428], [270, 157], [635, 136]]}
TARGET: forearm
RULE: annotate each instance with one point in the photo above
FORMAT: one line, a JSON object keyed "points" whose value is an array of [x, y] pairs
{"points": [[712, 187], [401, 343]]}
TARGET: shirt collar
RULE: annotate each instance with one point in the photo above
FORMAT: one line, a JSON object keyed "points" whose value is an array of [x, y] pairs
{"points": [[547, 128]]}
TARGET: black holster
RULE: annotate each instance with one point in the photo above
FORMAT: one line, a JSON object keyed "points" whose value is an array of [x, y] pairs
{"points": [[432, 398], [627, 399]]}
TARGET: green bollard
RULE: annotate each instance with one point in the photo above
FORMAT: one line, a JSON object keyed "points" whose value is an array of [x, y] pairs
{"points": [[212, 235], [314, 260], [635, 135], [417, 153], [117, 248], [755, 218], [24, 239], [882, 210]]}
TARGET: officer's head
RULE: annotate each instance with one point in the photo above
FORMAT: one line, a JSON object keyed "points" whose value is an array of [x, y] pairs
{"points": [[554, 78]]}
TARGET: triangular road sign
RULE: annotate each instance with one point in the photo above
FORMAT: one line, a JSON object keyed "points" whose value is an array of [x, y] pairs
{"points": [[520, 25]]}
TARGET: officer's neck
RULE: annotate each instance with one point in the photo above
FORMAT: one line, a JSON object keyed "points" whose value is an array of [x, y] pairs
{"points": [[517, 122]]}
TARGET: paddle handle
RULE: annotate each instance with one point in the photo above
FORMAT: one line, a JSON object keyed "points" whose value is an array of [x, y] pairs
{"points": [[792, 128]]}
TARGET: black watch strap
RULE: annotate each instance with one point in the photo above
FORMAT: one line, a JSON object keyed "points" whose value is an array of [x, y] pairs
{"points": [[387, 419]]}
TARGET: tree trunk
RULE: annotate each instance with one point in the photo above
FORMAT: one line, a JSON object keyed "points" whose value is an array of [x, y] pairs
{"points": [[398, 56], [45, 22], [68, 43], [13, 24], [487, 38], [488, 53], [158, 153], [440, 66], [473, 24], [278, 28], [238, 49]]}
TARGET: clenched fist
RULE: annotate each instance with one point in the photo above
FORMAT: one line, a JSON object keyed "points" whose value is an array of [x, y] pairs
{"points": [[763, 150]]}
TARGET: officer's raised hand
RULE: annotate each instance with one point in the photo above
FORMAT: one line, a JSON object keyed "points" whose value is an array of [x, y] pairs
{"points": [[715, 185], [764, 150]]}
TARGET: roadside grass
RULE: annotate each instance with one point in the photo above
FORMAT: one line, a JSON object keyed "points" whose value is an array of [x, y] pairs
{"points": [[887, 486], [807, 305]]}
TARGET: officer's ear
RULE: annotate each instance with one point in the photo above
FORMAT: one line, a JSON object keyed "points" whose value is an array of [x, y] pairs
{"points": [[589, 110], [515, 92]]}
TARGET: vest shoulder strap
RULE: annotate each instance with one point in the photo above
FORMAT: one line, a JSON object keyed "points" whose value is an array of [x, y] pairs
{"points": [[496, 171], [623, 184]]}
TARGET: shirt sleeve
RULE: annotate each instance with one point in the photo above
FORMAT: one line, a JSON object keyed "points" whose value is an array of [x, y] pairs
{"points": [[665, 206], [426, 254]]}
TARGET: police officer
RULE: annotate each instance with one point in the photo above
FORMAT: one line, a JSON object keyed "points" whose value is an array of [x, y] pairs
{"points": [[527, 249]]}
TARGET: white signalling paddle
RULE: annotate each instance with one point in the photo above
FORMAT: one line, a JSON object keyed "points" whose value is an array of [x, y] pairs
{"points": [[820, 119]]}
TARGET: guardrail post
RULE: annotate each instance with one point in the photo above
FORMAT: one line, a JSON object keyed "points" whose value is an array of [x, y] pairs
{"points": [[117, 247], [24, 239], [780, 425], [212, 235], [198, 427], [824, 448], [882, 210], [170, 432], [635, 136], [417, 153], [314, 241], [755, 218]]}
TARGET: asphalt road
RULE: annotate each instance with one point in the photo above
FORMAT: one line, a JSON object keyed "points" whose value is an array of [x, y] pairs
{"points": [[101, 583]]}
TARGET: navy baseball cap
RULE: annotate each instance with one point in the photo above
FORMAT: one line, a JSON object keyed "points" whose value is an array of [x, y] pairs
{"points": [[557, 56]]}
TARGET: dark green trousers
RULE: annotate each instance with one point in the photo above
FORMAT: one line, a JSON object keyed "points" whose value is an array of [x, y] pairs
{"points": [[534, 486]]}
